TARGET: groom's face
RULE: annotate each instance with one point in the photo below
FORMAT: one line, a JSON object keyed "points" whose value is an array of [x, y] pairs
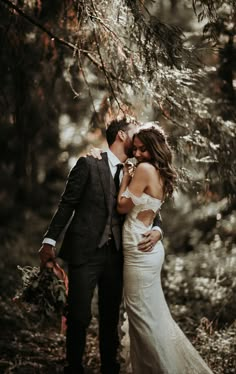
{"points": [[128, 144]]}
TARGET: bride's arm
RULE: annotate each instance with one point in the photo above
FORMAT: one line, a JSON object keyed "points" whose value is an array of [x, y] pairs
{"points": [[136, 185], [124, 205]]}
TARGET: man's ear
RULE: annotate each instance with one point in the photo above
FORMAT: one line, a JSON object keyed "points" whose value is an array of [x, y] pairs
{"points": [[122, 135]]}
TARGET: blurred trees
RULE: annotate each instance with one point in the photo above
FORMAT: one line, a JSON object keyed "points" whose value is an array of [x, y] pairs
{"points": [[74, 64], [67, 67]]}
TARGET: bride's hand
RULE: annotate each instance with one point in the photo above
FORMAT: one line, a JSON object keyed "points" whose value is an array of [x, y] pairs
{"points": [[95, 153], [129, 168]]}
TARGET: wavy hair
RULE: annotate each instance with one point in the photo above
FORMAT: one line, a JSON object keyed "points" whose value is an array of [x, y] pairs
{"points": [[155, 141]]}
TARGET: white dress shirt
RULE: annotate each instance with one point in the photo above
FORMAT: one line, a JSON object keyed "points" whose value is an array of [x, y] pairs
{"points": [[113, 161]]}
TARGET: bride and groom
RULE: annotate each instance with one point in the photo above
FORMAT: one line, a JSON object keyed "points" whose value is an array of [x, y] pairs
{"points": [[113, 241]]}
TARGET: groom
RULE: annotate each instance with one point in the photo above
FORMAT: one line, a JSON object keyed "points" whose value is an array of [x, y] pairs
{"points": [[92, 246]]}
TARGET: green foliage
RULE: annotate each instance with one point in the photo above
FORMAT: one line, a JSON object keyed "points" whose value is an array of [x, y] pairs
{"points": [[200, 285], [204, 281], [123, 50], [218, 347]]}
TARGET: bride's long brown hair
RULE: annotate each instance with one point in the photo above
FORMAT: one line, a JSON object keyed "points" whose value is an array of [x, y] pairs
{"points": [[155, 141]]}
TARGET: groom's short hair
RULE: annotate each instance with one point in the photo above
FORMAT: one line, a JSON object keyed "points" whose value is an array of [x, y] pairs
{"points": [[116, 125]]}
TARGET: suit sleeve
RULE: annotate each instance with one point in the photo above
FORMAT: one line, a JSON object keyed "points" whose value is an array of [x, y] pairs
{"points": [[158, 221], [70, 198]]}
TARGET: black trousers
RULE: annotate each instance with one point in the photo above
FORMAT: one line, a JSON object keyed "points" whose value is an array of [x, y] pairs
{"points": [[105, 269]]}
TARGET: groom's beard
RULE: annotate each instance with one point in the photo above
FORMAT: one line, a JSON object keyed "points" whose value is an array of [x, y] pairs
{"points": [[129, 152]]}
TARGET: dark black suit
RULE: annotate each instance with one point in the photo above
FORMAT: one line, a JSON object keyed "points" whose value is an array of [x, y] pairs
{"points": [[90, 197], [86, 195]]}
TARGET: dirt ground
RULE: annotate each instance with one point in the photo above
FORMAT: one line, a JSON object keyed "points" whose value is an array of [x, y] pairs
{"points": [[29, 346]]}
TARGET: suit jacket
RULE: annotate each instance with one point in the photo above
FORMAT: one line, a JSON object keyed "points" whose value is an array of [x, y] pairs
{"points": [[85, 205]]}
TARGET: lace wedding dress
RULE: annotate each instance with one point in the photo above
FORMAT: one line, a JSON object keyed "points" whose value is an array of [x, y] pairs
{"points": [[157, 344]]}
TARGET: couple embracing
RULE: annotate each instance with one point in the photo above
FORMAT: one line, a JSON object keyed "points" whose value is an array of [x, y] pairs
{"points": [[113, 241]]}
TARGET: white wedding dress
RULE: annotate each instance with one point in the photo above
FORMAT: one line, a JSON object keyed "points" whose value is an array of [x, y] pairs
{"points": [[157, 344]]}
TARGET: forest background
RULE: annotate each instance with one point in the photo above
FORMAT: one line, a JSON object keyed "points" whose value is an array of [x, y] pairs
{"points": [[68, 67]]}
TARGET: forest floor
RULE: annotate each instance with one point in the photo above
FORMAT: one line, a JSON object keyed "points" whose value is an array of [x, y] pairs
{"points": [[29, 345]]}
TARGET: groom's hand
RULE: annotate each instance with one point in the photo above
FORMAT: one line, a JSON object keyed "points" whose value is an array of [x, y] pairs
{"points": [[150, 238], [46, 253]]}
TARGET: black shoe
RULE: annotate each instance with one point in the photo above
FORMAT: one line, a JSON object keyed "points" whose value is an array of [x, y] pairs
{"points": [[72, 370], [111, 369]]}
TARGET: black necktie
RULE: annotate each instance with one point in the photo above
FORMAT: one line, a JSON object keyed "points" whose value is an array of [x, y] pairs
{"points": [[117, 176]]}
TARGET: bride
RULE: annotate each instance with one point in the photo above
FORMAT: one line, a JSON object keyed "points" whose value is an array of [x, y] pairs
{"points": [[157, 344]]}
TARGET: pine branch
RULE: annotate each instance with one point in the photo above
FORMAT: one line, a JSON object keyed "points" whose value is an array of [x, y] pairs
{"points": [[61, 41], [104, 70], [159, 39], [86, 81], [102, 62]]}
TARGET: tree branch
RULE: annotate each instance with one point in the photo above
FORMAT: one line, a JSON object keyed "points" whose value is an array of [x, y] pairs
{"points": [[86, 82], [100, 66], [34, 22], [102, 63]]}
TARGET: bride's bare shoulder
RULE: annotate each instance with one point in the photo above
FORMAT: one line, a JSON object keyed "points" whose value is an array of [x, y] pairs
{"points": [[145, 167]]}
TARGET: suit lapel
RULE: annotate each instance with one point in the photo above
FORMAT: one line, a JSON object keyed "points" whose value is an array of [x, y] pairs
{"points": [[105, 175]]}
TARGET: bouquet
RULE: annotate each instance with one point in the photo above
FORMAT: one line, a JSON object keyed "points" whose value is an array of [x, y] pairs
{"points": [[43, 290]]}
